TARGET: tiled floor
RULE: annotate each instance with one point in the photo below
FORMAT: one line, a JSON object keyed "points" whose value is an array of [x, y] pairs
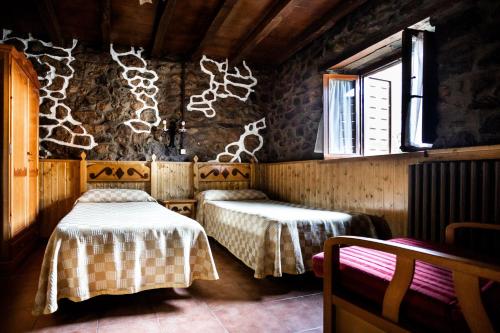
{"points": [[235, 303]]}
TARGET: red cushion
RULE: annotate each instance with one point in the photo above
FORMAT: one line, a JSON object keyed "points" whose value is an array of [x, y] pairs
{"points": [[317, 264], [430, 302]]}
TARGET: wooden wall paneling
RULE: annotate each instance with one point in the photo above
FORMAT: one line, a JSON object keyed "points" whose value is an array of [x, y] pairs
{"points": [[376, 185], [175, 180], [306, 185], [59, 188], [389, 190], [279, 181], [296, 181], [325, 189]]}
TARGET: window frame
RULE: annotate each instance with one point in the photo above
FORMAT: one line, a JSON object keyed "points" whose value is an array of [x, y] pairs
{"points": [[327, 114], [359, 107], [385, 63], [404, 54], [429, 89]]}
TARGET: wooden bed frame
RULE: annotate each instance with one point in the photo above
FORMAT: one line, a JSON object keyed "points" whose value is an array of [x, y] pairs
{"points": [[144, 175], [466, 275], [223, 176], [129, 174]]}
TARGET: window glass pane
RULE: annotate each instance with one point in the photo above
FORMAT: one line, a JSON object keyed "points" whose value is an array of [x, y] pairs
{"points": [[376, 112], [342, 108], [417, 60], [382, 110], [415, 110]]}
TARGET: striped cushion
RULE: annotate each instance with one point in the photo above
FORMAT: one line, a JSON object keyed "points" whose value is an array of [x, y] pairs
{"points": [[430, 303]]}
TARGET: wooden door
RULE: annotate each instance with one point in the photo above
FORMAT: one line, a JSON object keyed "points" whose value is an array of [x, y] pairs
{"points": [[33, 154], [18, 146]]}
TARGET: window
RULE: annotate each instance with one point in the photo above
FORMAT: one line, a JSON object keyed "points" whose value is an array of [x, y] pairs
{"points": [[380, 100]]}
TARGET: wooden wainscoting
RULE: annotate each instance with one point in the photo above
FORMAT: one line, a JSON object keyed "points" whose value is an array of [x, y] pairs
{"points": [[59, 188], [175, 180], [376, 185]]}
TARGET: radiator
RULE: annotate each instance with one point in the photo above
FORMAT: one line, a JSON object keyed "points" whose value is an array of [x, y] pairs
{"points": [[452, 191]]}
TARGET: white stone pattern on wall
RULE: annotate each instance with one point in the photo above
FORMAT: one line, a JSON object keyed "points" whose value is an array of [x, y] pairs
{"points": [[62, 119], [233, 151], [204, 102], [142, 83]]}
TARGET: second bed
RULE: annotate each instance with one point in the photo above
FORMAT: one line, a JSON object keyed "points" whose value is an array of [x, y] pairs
{"points": [[273, 237]]}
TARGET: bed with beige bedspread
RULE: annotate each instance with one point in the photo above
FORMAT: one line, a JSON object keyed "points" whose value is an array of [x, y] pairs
{"points": [[273, 237], [121, 242]]}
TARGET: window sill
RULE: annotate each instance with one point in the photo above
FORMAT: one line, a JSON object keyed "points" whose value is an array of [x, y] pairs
{"points": [[462, 153], [328, 159]]}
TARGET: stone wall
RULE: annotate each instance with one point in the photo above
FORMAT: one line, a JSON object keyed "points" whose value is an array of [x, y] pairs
{"points": [[468, 74], [100, 98], [289, 96]]}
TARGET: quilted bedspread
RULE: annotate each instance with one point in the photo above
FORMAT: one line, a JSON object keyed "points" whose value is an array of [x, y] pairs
{"points": [[274, 237], [121, 248]]}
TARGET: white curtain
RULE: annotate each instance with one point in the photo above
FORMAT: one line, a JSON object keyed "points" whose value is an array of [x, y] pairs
{"points": [[414, 121], [318, 147], [340, 106]]}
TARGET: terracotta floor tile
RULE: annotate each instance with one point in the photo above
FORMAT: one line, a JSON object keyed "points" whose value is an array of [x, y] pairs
{"points": [[82, 327], [138, 325], [291, 315], [314, 330], [235, 303], [187, 315]]}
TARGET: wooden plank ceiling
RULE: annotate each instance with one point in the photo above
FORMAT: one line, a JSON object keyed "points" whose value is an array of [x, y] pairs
{"points": [[265, 32]]}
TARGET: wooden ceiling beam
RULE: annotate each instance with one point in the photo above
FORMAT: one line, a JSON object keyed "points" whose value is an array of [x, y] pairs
{"points": [[161, 29], [320, 27], [105, 23], [50, 21], [223, 12], [267, 24]]}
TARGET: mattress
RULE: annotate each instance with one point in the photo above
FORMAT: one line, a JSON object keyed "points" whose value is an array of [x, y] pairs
{"points": [[273, 237], [121, 248], [429, 305]]}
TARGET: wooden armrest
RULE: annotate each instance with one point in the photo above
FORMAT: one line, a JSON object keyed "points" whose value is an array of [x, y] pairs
{"points": [[466, 274], [451, 229]]}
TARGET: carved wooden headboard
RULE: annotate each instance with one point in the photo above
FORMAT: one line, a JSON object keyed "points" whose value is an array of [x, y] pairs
{"points": [[118, 174], [223, 176]]}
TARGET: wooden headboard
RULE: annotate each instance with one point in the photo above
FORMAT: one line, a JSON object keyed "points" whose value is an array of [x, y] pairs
{"points": [[222, 176], [118, 174]]}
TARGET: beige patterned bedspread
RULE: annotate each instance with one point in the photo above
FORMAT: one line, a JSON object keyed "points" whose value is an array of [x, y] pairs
{"points": [[121, 248], [274, 237]]}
